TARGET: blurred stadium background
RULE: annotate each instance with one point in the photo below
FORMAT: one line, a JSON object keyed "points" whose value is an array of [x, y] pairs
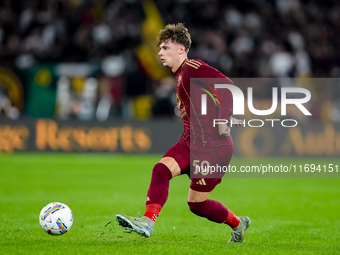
{"points": [[84, 75]]}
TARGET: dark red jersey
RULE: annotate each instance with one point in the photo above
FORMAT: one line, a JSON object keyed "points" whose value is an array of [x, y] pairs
{"points": [[194, 78]]}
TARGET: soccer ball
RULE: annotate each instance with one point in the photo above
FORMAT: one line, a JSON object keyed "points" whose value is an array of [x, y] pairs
{"points": [[56, 218]]}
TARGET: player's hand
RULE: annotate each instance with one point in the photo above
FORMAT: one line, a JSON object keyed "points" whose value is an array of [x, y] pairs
{"points": [[236, 122], [223, 130]]}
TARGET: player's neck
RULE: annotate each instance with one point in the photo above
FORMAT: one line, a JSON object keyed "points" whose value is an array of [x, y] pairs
{"points": [[179, 63]]}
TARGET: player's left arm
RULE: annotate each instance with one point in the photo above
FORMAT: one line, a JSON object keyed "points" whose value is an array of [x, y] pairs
{"points": [[225, 111], [225, 96]]}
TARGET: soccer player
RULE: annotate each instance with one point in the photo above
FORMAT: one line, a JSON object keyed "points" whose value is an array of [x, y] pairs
{"points": [[199, 140]]}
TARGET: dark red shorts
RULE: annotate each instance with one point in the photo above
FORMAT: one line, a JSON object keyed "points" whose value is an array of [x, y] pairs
{"points": [[189, 159]]}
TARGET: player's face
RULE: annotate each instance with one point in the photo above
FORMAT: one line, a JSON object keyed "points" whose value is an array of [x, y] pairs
{"points": [[170, 53]]}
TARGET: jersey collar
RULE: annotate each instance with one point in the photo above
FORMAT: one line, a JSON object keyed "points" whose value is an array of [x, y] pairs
{"points": [[180, 67]]}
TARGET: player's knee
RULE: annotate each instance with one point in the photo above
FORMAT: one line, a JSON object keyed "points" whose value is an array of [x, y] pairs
{"points": [[197, 208], [172, 165], [162, 170]]}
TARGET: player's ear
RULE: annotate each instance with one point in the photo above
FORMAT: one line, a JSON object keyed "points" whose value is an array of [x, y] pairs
{"points": [[182, 49]]}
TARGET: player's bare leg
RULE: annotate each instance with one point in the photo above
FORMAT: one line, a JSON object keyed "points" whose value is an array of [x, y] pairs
{"points": [[172, 165], [215, 211]]}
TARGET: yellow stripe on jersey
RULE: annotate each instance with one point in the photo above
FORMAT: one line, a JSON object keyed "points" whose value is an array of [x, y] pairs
{"points": [[196, 67], [194, 62]]}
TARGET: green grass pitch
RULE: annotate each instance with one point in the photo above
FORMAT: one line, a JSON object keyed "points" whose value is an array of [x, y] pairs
{"points": [[289, 216]]}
